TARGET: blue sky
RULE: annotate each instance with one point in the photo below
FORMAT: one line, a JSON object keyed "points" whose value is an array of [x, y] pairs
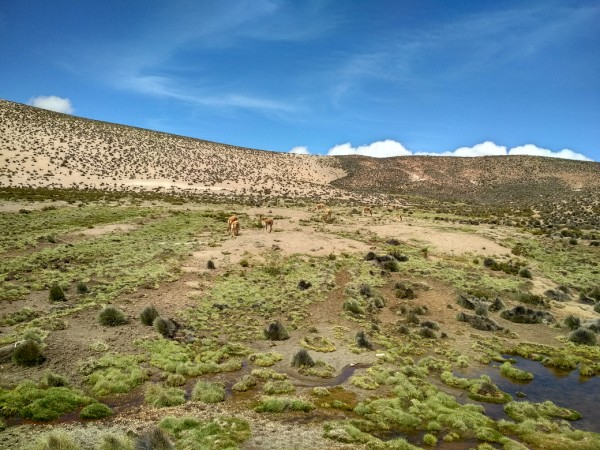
{"points": [[381, 78]]}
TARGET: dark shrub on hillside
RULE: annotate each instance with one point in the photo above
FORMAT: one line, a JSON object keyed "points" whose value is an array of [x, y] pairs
{"points": [[393, 242], [148, 314], [466, 302], [489, 262], [370, 256], [304, 285], [365, 290], [521, 314], [276, 332], [352, 306], [210, 265], [29, 353], [155, 439], [405, 292], [166, 327], [427, 333], [412, 319], [557, 294], [82, 288], [496, 305], [302, 359], [531, 299], [112, 317], [362, 341], [391, 266], [430, 324], [56, 293], [572, 322], [583, 336], [481, 310], [478, 322], [524, 272], [597, 307]]}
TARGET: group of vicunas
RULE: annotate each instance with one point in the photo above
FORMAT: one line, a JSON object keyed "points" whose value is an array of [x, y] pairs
{"points": [[233, 223]]}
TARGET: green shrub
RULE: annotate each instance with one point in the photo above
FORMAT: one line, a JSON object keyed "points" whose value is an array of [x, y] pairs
{"points": [[166, 327], [55, 440], [391, 266], [524, 272], [111, 316], [208, 392], [279, 405], [116, 442], [572, 322], [362, 341], [51, 379], [278, 387], [148, 314], [82, 288], [427, 333], [510, 371], [583, 336], [161, 397], [154, 439], [29, 353], [352, 306], [276, 332], [302, 359], [95, 411], [219, 433], [56, 293], [245, 383]]}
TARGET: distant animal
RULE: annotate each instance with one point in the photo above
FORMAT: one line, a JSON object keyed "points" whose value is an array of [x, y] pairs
{"points": [[266, 222], [234, 228], [319, 206], [327, 215], [367, 209], [229, 222]]}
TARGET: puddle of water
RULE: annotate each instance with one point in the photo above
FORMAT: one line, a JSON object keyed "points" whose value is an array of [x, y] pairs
{"points": [[563, 388], [346, 373]]}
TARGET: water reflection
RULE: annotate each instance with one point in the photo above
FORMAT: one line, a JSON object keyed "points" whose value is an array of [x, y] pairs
{"points": [[563, 388]]}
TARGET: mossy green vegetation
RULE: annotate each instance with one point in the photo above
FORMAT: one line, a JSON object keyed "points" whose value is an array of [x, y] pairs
{"points": [[521, 411], [266, 359], [283, 404], [217, 434], [114, 373], [161, 396], [509, 370], [30, 401], [96, 410], [208, 392]]}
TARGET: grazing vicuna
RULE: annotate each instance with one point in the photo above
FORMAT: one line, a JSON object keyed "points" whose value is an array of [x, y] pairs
{"points": [[234, 228], [229, 222], [319, 206], [266, 222], [367, 209], [327, 215]]}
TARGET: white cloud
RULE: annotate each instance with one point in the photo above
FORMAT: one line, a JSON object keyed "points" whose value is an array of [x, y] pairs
{"points": [[530, 149], [379, 149], [53, 103], [300, 150], [390, 148], [487, 148]]}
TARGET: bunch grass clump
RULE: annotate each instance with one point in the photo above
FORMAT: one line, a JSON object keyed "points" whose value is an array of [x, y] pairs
{"points": [[95, 410], [28, 353], [278, 387], [162, 397], [283, 404], [362, 341], [148, 314], [112, 316], [154, 439], [276, 332], [583, 336], [166, 327], [302, 359], [510, 371], [56, 293], [218, 433], [208, 392], [55, 440]]}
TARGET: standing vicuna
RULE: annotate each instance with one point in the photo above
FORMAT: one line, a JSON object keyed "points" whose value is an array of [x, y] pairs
{"points": [[234, 228], [230, 222], [267, 222]]}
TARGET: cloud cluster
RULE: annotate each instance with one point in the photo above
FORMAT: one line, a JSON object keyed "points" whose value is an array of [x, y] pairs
{"points": [[53, 103], [389, 148], [300, 150]]}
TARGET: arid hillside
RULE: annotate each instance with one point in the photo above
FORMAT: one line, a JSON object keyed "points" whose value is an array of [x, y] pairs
{"points": [[39, 148]]}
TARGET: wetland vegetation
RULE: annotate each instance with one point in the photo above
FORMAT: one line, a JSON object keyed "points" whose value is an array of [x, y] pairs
{"points": [[115, 333]]}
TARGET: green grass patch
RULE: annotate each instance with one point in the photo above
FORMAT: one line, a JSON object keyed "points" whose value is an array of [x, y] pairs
{"points": [[216, 434], [208, 392], [114, 373], [283, 404]]}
